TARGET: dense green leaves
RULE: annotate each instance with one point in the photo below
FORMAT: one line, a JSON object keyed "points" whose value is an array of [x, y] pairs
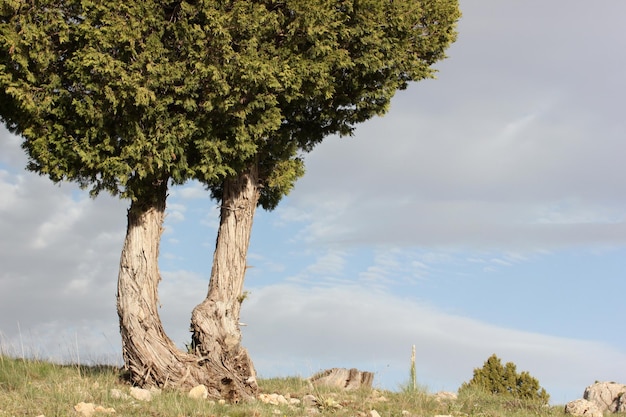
{"points": [[497, 379], [122, 95]]}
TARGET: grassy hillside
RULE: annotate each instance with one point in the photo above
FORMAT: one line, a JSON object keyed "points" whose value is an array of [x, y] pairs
{"points": [[35, 388]]}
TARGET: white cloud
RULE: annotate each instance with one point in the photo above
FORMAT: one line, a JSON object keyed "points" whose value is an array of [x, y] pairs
{"points": [[513, 146], [59, 254], [175, 213], [191, 191], [10, 151]]}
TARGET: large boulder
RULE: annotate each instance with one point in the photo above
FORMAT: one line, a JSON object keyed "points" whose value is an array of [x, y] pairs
{"points": [[608, 396], [583, 408]]}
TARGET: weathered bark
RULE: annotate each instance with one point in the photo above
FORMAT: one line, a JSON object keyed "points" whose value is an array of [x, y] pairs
{"points": [[215, 321], [150, 357], [348, 379]]}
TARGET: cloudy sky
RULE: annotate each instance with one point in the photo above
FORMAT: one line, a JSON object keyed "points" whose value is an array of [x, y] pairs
{"points": [[485, 213]]}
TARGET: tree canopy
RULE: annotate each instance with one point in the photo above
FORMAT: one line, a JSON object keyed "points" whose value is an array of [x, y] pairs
{"points": [[499, 379], [130, 96], [121, 95]]}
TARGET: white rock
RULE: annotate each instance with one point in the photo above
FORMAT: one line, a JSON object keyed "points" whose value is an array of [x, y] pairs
{"points": [[101, 409], [374, 413], [606, 395], [442, 396], [309, 400], [199, 392], [583, 408], [86, 409], [140, 394], [118, 394], [273, 399]]}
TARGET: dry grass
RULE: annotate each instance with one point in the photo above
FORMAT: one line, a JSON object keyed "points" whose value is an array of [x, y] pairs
{"points": [[34, 388]]}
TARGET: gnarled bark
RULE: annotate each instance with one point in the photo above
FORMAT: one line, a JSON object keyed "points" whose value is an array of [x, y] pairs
{"points": [[150, 357], [215, 321]]}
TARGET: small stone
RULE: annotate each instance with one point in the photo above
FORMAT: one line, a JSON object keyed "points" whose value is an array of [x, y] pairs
{"points": [[374, 413], [86, 409], [443, 396], [309, 400], [117, 394], [199, 392], [101, 409], [405, 413], [140, 394], [273, 399]]}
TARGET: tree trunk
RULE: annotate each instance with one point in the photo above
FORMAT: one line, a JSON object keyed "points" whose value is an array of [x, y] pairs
{"points": [[215, 322], [150, 357]]}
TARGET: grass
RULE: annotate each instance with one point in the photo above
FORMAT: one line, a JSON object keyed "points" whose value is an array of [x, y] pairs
{"points": [[35, 388]]}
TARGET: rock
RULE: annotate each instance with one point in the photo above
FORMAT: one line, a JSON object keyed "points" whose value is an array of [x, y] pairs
{"points": [[309, 400], [89, 409], [621, 403], [607, 396], [101, 409], [374, 413], [199, 392], [443, 396], [343, 378], [86, 409], [140, 394], [376, 396], [583, 408], [117, 394], [273, 399]]}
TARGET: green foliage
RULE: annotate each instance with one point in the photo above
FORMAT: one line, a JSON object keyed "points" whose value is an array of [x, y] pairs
{"points": [[121, 96], [494, 378]]}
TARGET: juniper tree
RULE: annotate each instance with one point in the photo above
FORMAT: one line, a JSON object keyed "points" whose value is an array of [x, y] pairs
{"points": [[497, 379], [132, 97]]}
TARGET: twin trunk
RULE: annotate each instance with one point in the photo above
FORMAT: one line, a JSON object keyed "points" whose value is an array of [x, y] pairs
{"points": [[217, 358]]}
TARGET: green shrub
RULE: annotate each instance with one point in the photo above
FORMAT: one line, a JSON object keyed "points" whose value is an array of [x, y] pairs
{"points": [[504, 380]]}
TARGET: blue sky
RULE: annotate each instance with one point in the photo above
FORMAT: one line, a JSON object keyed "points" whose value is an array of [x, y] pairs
{"points": [[483, 214]]}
